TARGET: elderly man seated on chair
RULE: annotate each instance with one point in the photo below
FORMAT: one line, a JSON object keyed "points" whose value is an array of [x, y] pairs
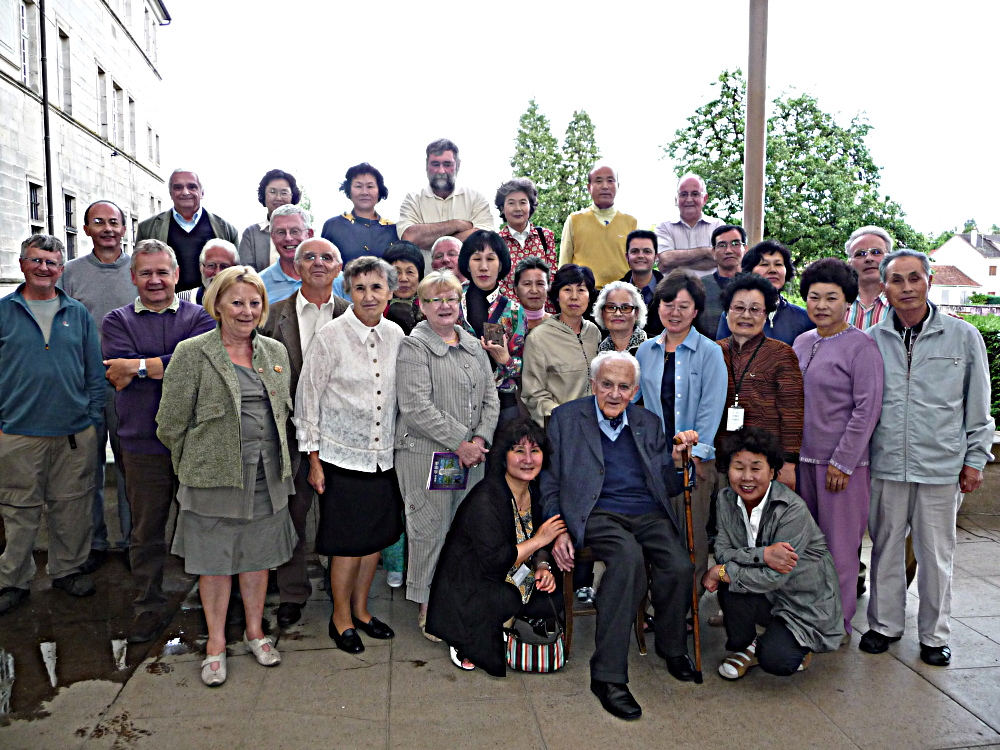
{"points": [[612, 477]]}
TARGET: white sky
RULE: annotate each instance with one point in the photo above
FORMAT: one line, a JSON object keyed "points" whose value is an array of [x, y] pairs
{"points": [[313, 87]]}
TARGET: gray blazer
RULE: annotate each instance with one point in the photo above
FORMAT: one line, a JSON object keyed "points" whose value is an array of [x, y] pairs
{"points": [[158, 227]]}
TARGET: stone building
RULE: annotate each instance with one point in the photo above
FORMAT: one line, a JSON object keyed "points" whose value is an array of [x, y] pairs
{"points": [[104, 94]]}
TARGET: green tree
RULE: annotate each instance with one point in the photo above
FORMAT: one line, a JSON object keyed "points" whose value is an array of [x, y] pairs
{"points": [[821, 182], [579, 154], [305, 202], [536, 156], [970, 224], [994, 229]]}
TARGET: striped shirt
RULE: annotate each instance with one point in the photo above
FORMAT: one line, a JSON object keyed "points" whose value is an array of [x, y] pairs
{"points": [[865, 317]]}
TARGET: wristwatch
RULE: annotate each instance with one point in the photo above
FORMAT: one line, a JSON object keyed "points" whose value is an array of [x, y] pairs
{"points": [[142, 369], [543, 566], [722, 572]]}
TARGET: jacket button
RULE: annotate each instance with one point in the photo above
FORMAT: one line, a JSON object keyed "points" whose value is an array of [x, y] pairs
{"points": [[756, 559], [412, 506], [376, 375], [379, 408], [376, 440], [375, 360], [601, 471], [377, 424], [378, 393], [260, 369], [273, 393]]}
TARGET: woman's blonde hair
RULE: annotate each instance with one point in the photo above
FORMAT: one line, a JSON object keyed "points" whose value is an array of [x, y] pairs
{"points": [[437, 279], [224, 280]]}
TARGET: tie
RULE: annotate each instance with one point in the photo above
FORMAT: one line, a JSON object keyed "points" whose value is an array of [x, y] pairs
{"points": [[616, 422]]}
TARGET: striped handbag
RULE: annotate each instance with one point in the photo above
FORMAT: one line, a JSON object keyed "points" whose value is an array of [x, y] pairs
{"points": [[529, 652]]}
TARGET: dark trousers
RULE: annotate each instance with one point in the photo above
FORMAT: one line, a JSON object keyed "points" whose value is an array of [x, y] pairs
{"points": [[623, 543], [777, 650], [293, 576], [151, 486]]}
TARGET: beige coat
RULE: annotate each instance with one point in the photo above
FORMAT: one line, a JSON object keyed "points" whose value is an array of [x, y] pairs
{"points": [[556, 365]]}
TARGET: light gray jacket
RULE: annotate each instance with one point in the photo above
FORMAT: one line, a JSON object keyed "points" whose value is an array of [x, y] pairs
{"points": [[936, 408], [807, 598]]}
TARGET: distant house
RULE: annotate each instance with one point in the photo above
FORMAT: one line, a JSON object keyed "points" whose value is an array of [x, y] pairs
{"points": [[951, 286], [976, 255]]}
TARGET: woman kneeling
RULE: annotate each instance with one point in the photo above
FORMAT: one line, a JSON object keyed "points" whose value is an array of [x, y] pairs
{"points": [[494, 565], [774, 568]]}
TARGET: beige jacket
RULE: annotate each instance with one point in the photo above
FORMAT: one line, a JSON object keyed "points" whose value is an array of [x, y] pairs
{"points": [[556, 365]]}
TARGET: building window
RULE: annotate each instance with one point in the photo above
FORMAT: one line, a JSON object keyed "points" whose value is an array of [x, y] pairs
{"points": [[29, 45], [102, 103], [118, 116], [993, 270], [135, 228], [36, 209], [69, 208], [152, 205], [157, 138], [146, 20], [131, 126], [149, 142], [64, 77]]}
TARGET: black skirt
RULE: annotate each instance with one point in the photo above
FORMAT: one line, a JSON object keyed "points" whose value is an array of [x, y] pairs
{"points": [[360, 512]]}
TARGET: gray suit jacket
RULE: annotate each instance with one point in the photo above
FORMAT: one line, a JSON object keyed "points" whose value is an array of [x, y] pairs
{"points": [[158, 227], [572, 483]]}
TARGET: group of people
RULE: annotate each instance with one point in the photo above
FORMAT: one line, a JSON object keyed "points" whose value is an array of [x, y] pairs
{"points": [[248, 378]]}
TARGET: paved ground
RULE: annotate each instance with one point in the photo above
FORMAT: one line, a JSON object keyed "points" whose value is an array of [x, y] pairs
{"points": [[407, 693]]}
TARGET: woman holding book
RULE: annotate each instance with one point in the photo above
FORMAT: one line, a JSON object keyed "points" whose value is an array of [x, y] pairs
{"points": [[447, 404]]}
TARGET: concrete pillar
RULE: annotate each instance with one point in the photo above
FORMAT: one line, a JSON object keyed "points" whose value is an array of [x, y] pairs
{"points": [[755, 151]]}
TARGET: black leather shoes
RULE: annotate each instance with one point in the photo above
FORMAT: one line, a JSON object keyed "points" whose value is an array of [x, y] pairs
{"points": [[348, 641], [936, 656], [681, 667], [876, 643], [374, 628], [288, 614], [616, 699], [145, 627]]}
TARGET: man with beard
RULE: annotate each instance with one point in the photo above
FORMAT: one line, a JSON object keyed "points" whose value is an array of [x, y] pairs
{"points": [[686, 243], [441, 209], [216, 257], [289, 229]]}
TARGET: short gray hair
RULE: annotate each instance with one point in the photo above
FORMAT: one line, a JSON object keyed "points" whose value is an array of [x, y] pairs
{"points": [[291, 209], [45, 242], [153, 247], [332, 247], [689, 176], [443, 240], [370, 264], [225, 245], [185, 170], [637, 300], [905, 252], [870, 229], [607, 358]]}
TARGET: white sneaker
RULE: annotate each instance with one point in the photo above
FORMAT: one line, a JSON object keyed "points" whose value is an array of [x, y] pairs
{"points": [[585, 595], [394, 579]]}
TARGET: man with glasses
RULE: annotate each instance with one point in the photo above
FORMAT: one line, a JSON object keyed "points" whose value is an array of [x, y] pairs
{"points": [[216, 256], [102, 281], [728, 242], [640, 253], [187, 226], [686, 243], [294, 322], [289, 229], [138, 340], [51, 407], [866, 247]]}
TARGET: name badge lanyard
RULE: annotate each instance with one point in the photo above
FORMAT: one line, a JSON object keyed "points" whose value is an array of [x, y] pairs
{"points": [[735, 413], [523, 571]]}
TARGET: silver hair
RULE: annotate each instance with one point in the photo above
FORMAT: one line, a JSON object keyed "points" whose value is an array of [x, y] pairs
{"points": [[370, 264], [330, 245], [45, 242], [225, 245], [291, 209], [870, 229], [608, 357], [692, 175], [637, 300], [446, 238], [153, 247], [905, 252], [186, 170]]}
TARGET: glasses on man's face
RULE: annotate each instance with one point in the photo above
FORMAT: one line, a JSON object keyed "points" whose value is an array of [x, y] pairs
{"points": [[735, 245], [691, 194], [865, 253], [293, 233], [280, 193], [95, 222], [612, 308], [216, 266], [49, 264], [442, 301], [753, 310], [324, 258]]}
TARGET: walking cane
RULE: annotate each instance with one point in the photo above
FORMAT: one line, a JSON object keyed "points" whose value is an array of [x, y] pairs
{"points": [[686, 458]]}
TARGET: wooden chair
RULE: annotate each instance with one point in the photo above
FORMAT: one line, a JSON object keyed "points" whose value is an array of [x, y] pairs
{"points": [[584, 555]]}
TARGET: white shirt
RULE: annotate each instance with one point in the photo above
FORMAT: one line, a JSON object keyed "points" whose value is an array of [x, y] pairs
{"points": [[345, 405], [752, 521], [521, 237], [183, 223], [311, 319]]}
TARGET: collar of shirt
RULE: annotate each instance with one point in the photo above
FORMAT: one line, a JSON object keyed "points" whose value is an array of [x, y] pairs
{"points": [[360, 328], [265, 226], [184, 224], [172, 307], [752, 520], [880, 301], [604, 214], [681, 222], [351, 218], [605, 424], [521, 237], [301, 303], [431, 194]]}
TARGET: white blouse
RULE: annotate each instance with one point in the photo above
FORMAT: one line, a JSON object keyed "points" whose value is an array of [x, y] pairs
{"points": [[345, 403]]}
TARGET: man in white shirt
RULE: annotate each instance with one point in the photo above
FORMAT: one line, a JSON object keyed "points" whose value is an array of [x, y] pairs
{"points": [[294, 322], [686, 243]]}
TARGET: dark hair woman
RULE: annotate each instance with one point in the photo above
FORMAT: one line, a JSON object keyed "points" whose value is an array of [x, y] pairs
{"points": [[276, 188]]}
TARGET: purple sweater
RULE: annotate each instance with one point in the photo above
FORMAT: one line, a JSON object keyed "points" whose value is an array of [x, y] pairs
{"points": [[842, 378], [127, 334]]}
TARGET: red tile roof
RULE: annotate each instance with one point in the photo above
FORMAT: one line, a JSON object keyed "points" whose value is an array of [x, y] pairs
{"points": [[951, 276]]}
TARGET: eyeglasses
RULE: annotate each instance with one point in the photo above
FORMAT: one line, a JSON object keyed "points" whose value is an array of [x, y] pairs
{"points": [[39, 262], [283, 192], [735, 245], [441, 301], [866, 253], [325, 258], [282, 233], [676, 308], [101, 222], [692, 194], [626, 308], [754, 311], [216, 266]]}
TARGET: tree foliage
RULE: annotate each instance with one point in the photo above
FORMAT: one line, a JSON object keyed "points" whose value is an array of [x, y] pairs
{"points": [[821, 182]]}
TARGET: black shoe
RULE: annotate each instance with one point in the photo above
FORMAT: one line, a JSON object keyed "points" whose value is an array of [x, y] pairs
{"points": [[95, 559], [75, 584], [875, 643], [681, 668], [861, 587], [126, 559], [936, 656], [616, 699], [348, 641], [374, 628], [289, 613], [11, 596], [145, 627]]}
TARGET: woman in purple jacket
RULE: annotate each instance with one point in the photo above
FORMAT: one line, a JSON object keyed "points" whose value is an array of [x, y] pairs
{"points": [[842, 378]]}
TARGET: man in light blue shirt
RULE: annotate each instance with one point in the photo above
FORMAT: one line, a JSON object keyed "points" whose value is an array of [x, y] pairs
{"points": [[290, 227]]}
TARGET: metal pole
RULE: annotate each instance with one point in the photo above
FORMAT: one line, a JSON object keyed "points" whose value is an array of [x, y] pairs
{"points": [[755, 152], [46, 132]]}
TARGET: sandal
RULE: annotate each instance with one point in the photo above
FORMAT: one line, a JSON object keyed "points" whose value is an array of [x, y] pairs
{"points": [[214, 677], [805, 662], [738, 662], [459, 661], [422, 623]]}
